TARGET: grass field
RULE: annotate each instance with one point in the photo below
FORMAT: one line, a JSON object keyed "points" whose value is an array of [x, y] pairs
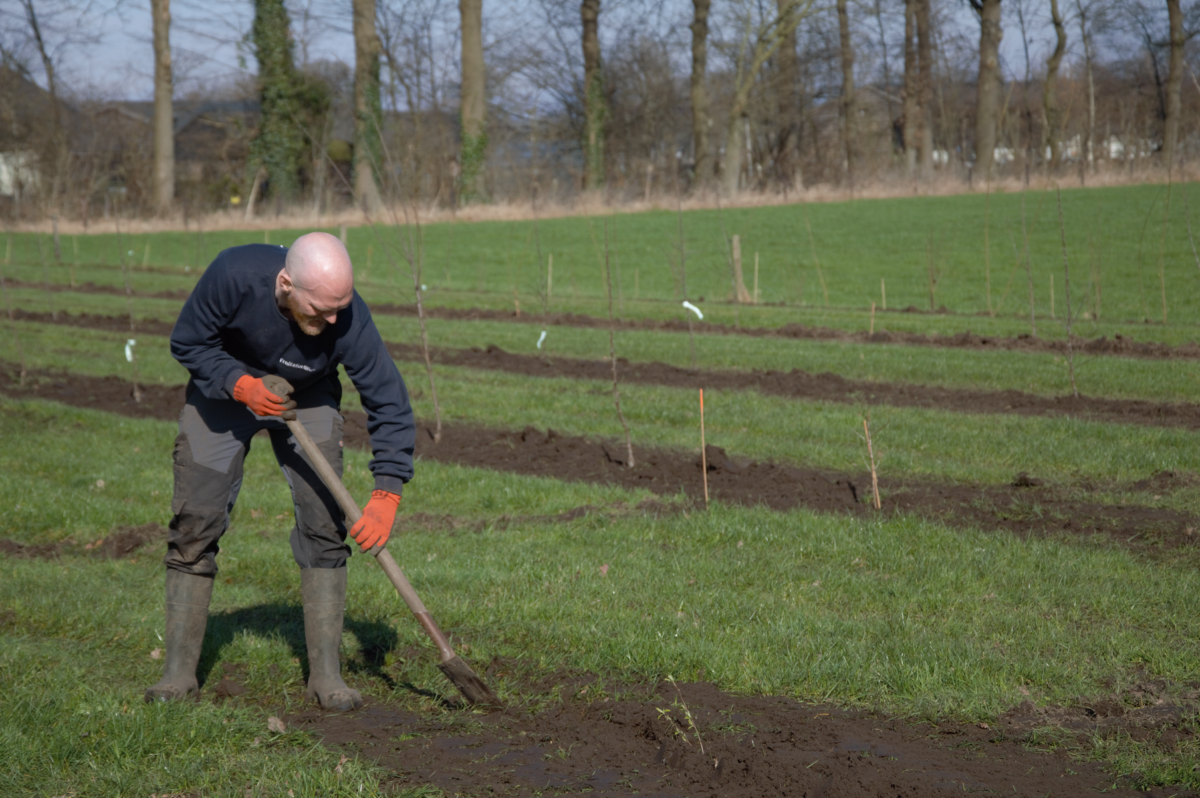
{"points": [[905, 615]]}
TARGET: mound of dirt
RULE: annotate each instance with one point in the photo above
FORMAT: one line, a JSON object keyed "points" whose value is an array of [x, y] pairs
{"points": [[124, 541], [748, 746]]}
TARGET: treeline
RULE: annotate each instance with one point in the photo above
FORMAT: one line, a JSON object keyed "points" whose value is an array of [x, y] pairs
{"points": [[451, 103]]}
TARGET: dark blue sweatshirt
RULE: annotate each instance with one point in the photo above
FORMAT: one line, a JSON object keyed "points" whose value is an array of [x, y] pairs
{"points": [[231, 325]]}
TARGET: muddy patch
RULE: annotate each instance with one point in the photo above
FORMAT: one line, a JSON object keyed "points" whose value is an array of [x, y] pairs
{"points": [[647, 744], [122, 542]]}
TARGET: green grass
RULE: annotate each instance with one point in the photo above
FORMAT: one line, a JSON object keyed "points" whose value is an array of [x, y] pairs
{"points": [[1113, 239], [900, 615]]}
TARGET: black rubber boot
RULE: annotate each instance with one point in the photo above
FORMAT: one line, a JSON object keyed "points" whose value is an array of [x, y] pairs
{"points": [[323, 591], [187, 617]]}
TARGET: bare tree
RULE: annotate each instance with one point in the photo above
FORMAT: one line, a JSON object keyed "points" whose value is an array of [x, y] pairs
{"points": [[1089, 56], [1049, 100], [912, 91], [925, 86], [1174, 105], [787, 102], [57, 132], [368, 124], [700, 119], [848, 104], [164, 118], [473, 101], [987, 104], [595, 109], [758, 44]]}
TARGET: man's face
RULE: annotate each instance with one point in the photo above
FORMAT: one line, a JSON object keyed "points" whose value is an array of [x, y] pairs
{"points": [[313, 310]]}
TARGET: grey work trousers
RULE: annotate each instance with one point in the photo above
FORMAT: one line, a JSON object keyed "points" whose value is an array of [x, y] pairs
{"points": [[214, 437]]}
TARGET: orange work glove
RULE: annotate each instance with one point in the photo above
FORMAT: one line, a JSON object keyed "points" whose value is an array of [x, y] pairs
{"points": [[378, 516], [251, 392]]}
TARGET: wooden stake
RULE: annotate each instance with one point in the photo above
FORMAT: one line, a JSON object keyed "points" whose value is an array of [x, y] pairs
{"points": [[612, 353], [75, 246], [342, 235], [516, 302], [872, 330], [146, 256], [756, 278], [550, 275], [266, 236], [703, 450], [883, 292], [871, 455]]}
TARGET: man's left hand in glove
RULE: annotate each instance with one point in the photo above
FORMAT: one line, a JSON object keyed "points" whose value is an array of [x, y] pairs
{"points": [[378, 516]]}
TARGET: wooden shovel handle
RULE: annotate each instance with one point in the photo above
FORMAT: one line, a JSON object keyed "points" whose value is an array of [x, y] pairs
{"points": [[382, 556]]}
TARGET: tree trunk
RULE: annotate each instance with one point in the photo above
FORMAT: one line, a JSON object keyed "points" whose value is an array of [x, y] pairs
{"points": [[474, 102], [368, 116], [787, 102], [848, 104], [925, 86], [1088, 56], [594, 110], [735, 147], [987, 108], [1049, 100], [279, 145], [912, 116], [700, 120], [1174, 84], [58, 137], [164, 121]]}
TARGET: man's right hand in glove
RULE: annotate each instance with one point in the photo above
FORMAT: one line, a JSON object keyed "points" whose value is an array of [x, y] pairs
{"points": [[251, 392]]}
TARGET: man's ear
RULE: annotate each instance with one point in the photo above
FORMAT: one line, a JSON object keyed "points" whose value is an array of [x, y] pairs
{"points": [[285, 281]]}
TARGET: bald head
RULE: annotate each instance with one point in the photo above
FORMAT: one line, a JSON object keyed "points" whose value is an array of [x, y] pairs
{"points": [[317, 280], [319, 261]]}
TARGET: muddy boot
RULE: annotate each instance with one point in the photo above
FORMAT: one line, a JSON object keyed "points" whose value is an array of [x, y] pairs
{"points": [[187, 616], [323, 591]]}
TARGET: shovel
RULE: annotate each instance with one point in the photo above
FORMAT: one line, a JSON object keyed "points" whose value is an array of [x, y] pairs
{"points": [[473, 689]]}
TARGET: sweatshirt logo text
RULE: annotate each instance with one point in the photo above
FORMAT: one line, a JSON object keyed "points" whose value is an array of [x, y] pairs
{"points": [[296, 365]]}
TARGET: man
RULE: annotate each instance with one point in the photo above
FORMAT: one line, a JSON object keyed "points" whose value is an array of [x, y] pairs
{"points": [[263, 310]]}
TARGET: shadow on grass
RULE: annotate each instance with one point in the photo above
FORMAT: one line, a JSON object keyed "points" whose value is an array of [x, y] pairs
{"points": [[286, 621]]}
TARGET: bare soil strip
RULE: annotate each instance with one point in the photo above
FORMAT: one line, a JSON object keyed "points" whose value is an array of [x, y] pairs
{"points": [[826, 387], [92, 288], [749, 746], [1118, 345], [1025, 507], [794, 384]]}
